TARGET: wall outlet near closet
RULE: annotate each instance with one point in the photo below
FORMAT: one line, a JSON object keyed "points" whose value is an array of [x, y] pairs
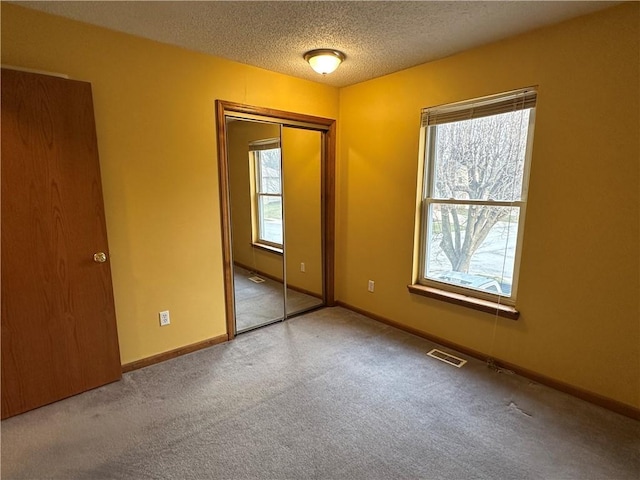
{"points": [[302, 267], [371, 286], [164, 318]]}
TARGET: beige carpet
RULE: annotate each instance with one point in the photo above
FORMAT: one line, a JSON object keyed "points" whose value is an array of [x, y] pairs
{"points": [[327, 395], [263, 303]]}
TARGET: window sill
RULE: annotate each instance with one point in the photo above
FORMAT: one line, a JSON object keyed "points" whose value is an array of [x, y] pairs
{"points": [[268, 248], [487, 306]]}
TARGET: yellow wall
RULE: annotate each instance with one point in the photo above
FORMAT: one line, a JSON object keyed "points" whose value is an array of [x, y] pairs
{"points": [[301, 159], [579, 283], [154, 107]]}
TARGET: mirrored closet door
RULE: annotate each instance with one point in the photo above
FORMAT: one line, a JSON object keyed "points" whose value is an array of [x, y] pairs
{"points": [[301, 165], [273, 177], [255, 199]]}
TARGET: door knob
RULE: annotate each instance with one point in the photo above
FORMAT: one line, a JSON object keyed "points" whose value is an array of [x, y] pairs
{"points": [[100, 257]]}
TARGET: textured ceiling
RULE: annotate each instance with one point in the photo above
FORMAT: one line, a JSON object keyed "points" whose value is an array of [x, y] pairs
{"points": [[378, 37]]}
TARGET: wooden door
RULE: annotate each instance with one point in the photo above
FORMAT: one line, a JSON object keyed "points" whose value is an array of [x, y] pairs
{"points": [[59, 333]]}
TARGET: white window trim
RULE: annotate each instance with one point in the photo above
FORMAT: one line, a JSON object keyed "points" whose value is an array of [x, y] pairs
{"points": [[254, 151], [427, 145]]}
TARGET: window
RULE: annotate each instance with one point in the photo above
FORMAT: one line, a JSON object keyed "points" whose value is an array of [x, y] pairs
{"points": [[267, 193], [476, 163]]}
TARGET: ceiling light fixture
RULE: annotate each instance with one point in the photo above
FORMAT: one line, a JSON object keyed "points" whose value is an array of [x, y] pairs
{"points": [[324, 60]]}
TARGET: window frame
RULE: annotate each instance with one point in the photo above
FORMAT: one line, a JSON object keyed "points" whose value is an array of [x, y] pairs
{"points": [[456, 293], [255, 184]]}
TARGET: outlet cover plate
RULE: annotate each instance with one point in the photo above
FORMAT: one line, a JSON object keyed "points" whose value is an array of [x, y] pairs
{"points": [[164, 318]]}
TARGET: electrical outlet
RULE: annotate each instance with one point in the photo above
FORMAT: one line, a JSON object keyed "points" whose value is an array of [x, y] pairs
{"points": [[164, 318], [371, 286], [302, 267]]}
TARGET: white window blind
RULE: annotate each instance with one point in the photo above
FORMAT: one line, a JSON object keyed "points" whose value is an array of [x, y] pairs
{"points": [[484, 107], [266, 144]]}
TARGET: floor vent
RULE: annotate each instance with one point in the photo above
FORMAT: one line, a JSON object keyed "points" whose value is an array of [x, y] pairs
{"points": [[446, 358], [256, 279]]}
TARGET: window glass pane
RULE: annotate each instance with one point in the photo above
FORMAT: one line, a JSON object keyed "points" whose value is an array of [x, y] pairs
{"points": [[270, 217], [269, 171], [482, 158], [473, 246]]}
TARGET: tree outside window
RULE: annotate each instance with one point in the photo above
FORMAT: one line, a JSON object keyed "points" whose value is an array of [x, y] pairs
{"points": [[476, 168]]}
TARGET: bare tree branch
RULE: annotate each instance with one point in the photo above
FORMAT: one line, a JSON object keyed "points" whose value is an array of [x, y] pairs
{"points": [[479, 159]]}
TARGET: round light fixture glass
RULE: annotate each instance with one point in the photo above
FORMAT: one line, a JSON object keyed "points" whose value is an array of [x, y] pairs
{"points": [[324, 60]]}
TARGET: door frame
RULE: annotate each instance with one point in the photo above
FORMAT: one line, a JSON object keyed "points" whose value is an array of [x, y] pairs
{"points": [[327, 127]]}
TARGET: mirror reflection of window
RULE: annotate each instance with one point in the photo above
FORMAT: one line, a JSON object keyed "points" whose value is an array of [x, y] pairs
{"points": [[268, 197]]}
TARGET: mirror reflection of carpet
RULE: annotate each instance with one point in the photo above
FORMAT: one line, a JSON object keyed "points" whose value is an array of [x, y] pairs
{"points": [[261, 303]]}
